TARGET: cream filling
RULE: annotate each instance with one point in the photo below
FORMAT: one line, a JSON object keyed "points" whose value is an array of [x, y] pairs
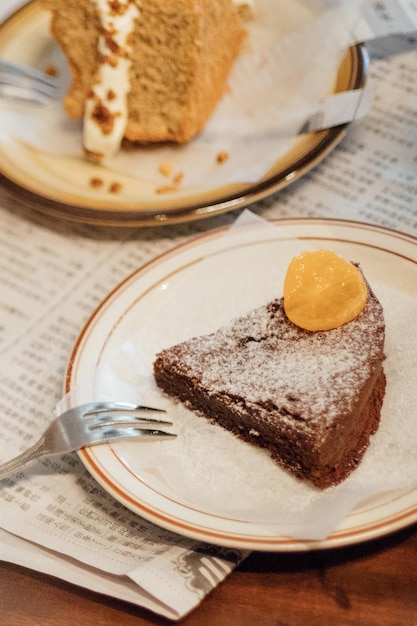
{"points": [[105, 116]]}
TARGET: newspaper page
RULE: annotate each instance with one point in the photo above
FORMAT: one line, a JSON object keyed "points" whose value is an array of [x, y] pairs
{"points": [[52, 276], [59, 506]]}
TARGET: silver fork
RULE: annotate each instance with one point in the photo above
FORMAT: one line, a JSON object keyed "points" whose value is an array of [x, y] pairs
{"points": [[87, 425], [21, 82]]}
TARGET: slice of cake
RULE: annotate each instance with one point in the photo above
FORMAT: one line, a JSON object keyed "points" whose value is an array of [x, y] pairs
{"points": [[146, 70], [313, 399]]}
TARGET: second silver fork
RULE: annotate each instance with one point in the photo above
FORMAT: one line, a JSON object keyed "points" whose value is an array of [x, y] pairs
{"points": [[21, 82]]}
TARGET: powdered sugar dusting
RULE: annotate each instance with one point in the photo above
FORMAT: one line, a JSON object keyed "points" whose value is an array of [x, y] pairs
{"points": [[269, 362]]}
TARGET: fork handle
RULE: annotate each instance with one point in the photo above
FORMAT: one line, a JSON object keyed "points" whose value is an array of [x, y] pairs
{"points": [[24, 459]]}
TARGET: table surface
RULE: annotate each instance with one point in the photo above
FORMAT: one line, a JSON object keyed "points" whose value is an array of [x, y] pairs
{"points": [[374, 583]]}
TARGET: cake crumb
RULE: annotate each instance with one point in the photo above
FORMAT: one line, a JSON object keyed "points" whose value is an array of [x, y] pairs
{"points": [[178, 178], [176, 181], [115, 187], [165, 168], [222, 156], [51, 70], [167, 189], [96, 182]]}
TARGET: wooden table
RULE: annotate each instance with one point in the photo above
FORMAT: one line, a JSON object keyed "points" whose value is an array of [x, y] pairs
{"points": [[372, 584]]}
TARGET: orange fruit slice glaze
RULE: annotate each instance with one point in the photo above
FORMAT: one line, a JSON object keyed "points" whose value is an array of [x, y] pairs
{"points": [[323, 291]]}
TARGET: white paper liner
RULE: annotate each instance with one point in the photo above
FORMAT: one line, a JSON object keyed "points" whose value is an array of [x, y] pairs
{"points": [[289, 65], [208, 468]]}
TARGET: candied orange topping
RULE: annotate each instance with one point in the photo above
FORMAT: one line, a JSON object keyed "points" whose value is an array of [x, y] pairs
{"points": [[323, 291]]}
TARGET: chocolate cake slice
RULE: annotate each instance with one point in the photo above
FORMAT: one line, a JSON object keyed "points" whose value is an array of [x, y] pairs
{"points": [[313, 399]]}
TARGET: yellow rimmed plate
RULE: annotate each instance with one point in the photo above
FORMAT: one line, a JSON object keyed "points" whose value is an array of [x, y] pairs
{"points": [[60, 186]]}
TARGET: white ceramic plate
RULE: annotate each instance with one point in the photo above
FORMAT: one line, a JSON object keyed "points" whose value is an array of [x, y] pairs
{"points": [[239, 270], [61, 186]]}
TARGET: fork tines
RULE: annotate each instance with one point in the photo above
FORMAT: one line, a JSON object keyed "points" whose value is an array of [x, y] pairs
{"points": [[8, 69], [21, 82], [121, 413]]}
